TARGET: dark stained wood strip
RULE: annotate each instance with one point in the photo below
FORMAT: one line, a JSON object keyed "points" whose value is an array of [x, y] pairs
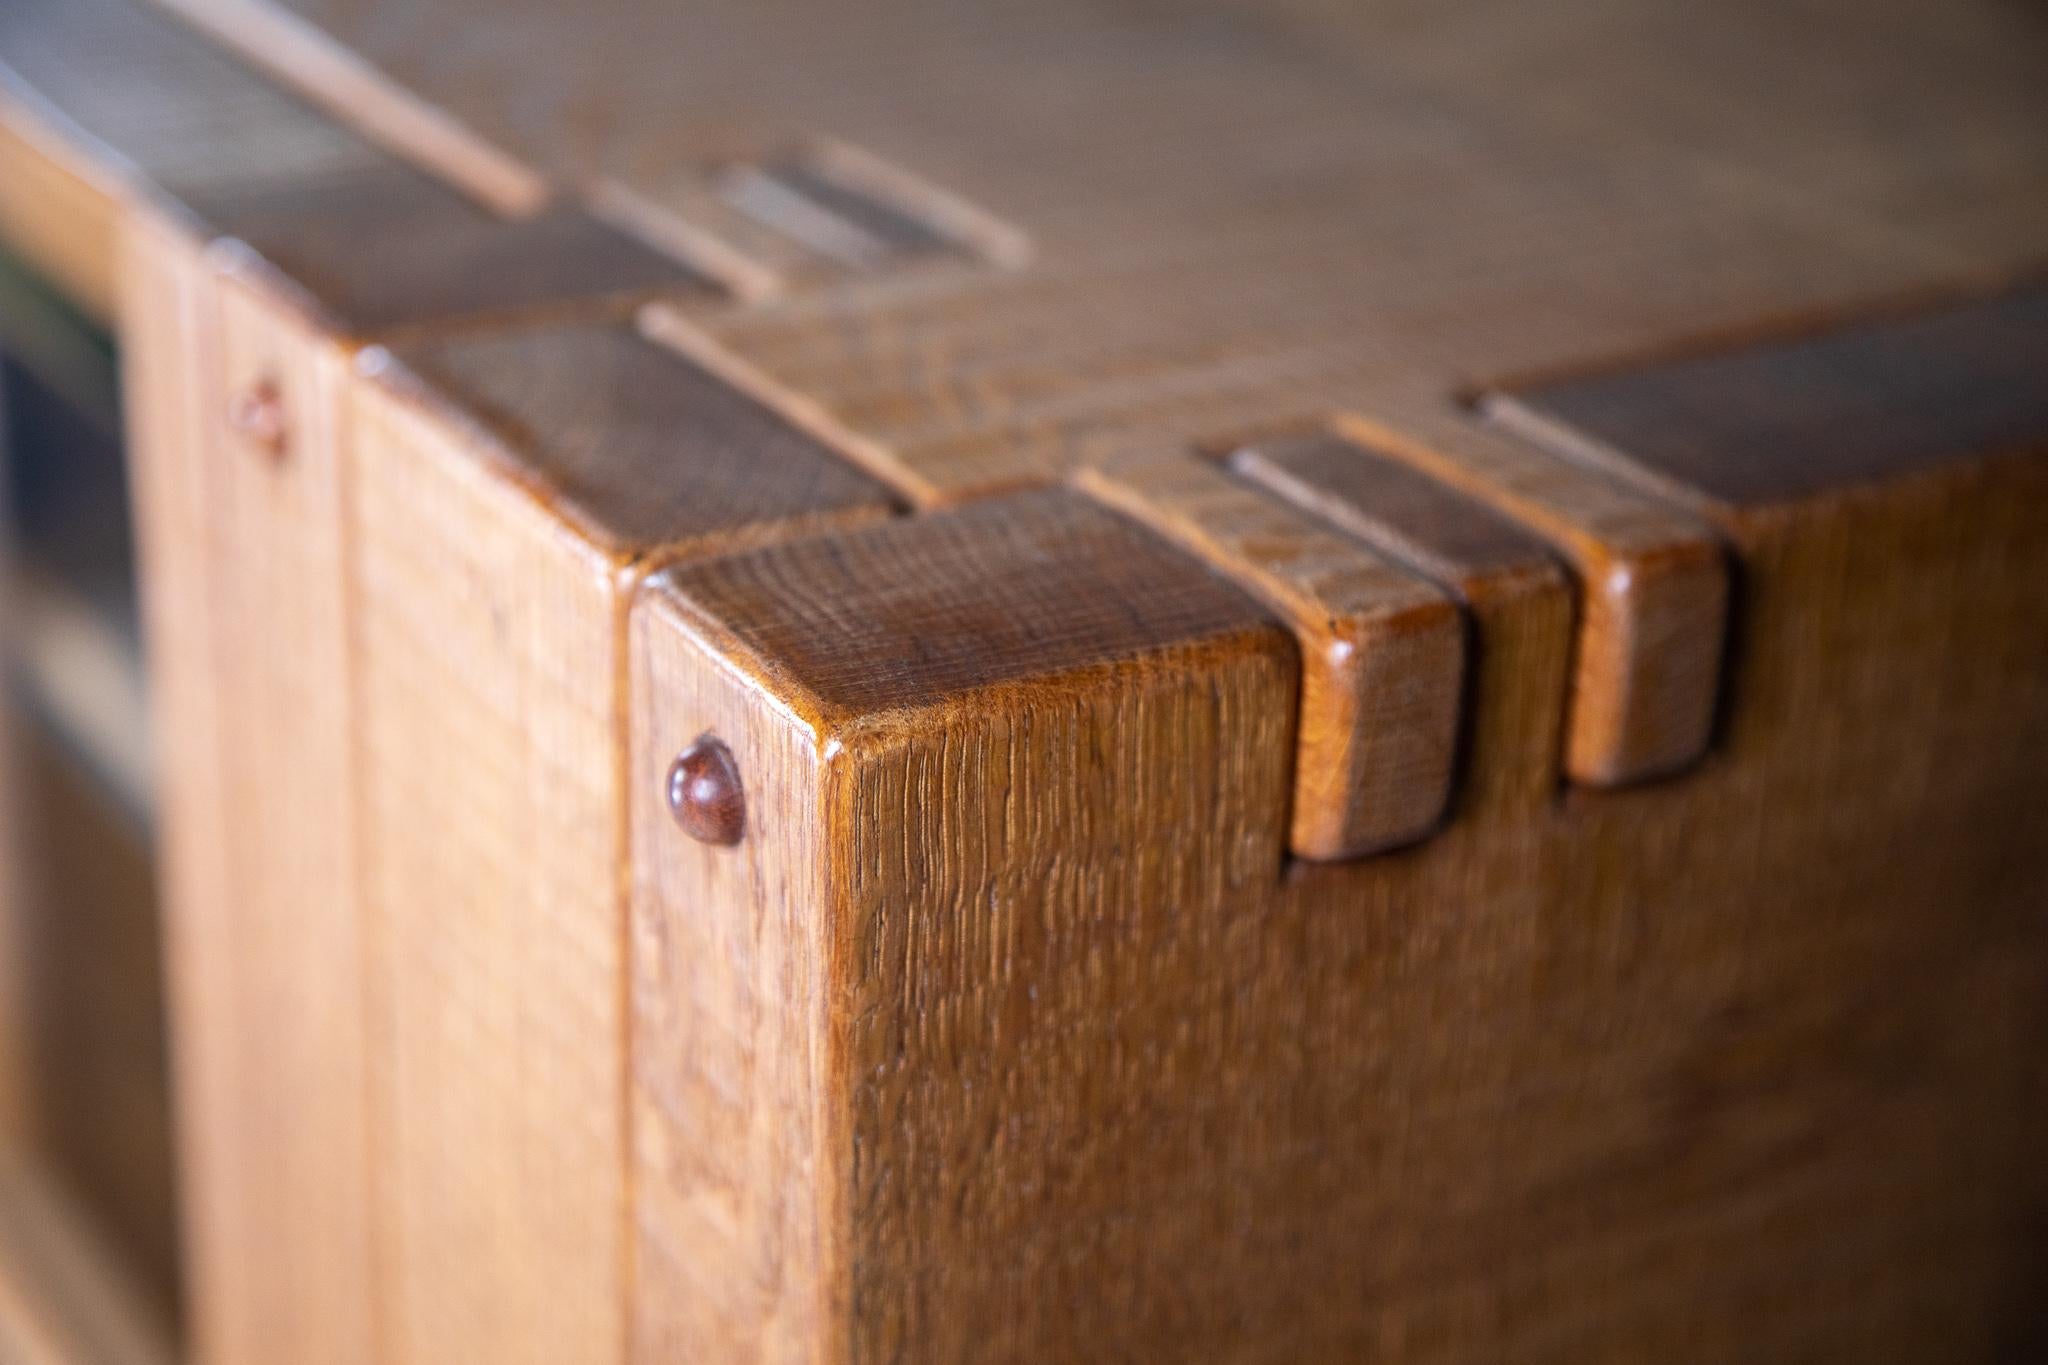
{"points": [[373, 242], [1653, 581], [641, 446], [385, 247], [1420, 521], [1787, 420], [934, 609]]}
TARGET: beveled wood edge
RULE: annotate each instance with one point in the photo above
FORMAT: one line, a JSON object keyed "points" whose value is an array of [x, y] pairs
{"points": [[1524, 405], [1654, 581], [382, 376], [1383, 652]]}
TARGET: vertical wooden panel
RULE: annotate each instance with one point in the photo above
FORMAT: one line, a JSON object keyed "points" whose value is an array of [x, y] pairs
{"points": [[508, 489], [242, 561], [737, 1232], [484, 640]]}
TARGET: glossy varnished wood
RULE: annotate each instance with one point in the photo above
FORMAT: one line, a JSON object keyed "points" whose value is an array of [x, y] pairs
{"points": [[1651, 1073], [1653, 586], [496, 543]]}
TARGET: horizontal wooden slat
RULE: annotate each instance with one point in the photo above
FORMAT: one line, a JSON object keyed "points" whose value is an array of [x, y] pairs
{"points": [[639, 445], [384, 247], [1801, 417]]}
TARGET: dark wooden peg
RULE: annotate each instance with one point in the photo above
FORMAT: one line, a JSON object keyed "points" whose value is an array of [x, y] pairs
{"points": [[257, 414], [704, 793]]}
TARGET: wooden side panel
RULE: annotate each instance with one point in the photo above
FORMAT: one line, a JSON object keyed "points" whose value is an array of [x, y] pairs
{"points": [[167, 364], [484, 644], [1740, 1067], [1029, 1142], [244, 572], [740, 1234]]}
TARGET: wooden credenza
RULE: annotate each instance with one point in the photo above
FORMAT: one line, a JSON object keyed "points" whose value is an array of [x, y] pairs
{"points": [[1090, 681]]}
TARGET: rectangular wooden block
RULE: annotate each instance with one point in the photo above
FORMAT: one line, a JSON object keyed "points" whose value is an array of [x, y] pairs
{"points": [[934, 757], [1054, 995]]}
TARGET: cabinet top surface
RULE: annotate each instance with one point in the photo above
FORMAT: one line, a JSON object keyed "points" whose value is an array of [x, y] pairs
{"points": [[991, 238]]}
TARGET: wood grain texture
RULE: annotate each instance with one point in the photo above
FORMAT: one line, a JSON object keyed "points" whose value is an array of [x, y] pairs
{"points": [[244, 571], [1653, 588], [356, 95], [1069, 713], [1519, 597], [1008, 1031], [891, 617], [737, 1156], [1701, 1070], [1382, 652], [481, 644], [495, 543], [639, 446], [106, 99], [1778, 420]]}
